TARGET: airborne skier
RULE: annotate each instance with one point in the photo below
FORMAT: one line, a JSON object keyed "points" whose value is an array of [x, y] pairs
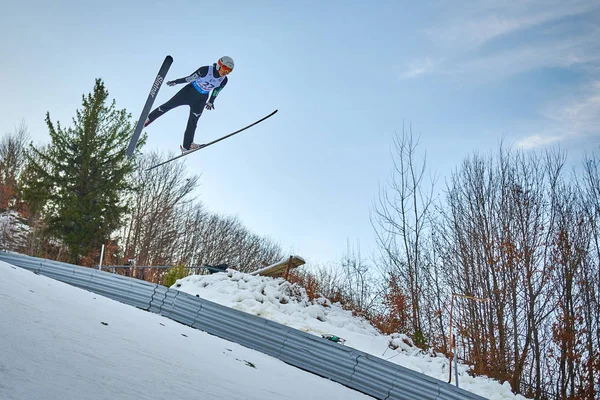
{"points": [[200, 84]]}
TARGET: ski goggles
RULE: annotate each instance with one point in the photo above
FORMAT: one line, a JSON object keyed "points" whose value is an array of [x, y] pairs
{"points": [[225, 68]]}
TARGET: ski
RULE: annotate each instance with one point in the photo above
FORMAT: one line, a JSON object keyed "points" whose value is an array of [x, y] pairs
{"points": [[162, 73], [213, 142]]}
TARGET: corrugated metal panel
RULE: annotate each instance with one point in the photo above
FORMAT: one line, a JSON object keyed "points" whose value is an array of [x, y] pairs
{"points": [[112, 286], [363, 372], [182, 308], [158, 299], [59, 272], [449, 392], [141, 293], [30, 263], [243, 328], [374, 377], [165, 305], [321, 356]]}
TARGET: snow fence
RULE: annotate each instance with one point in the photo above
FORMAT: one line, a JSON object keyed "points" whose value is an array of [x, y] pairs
{"points": [[353, 368]]}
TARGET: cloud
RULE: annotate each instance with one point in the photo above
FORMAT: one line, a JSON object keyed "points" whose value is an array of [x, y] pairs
{"points": [[489, 41], [576, 118], [417, 68], [539, 140], [484, 21], [569, 52], [582, 114], [460, 44]]}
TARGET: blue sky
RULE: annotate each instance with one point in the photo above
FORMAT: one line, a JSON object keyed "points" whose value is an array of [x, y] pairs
{"points": [[345, 76]]}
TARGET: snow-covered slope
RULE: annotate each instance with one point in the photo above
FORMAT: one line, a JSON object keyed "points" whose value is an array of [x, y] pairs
{"points": [[280, 301], [58, 342]]}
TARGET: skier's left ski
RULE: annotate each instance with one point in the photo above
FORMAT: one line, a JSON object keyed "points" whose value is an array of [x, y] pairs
{"points": [[162, 74], [211, 143]]}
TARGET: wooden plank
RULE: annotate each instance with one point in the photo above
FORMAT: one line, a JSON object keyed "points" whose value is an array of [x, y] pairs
{"points": [[280, 268]]}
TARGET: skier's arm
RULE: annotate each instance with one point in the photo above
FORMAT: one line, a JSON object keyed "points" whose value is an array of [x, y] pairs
{"points": [[200, 72], [216, 91]]}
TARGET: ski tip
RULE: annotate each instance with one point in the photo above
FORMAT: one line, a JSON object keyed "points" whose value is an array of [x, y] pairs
{"points": [[169, 59]]}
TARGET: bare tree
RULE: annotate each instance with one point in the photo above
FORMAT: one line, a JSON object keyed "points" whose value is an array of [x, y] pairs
{"points": [[400, 222], [12, 161], [492, 241], [220, 239], [358, 287], [472, 265], [151, 231], [16, 231], [514, 231], [590, 277], [568, 253], [525, 221], [168, 226]]}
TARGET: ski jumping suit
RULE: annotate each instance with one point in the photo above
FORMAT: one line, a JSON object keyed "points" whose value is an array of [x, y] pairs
{"points": [[195, 94]]}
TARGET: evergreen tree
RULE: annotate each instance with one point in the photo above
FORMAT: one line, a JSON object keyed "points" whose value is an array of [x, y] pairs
{"points": [[81, 176]]}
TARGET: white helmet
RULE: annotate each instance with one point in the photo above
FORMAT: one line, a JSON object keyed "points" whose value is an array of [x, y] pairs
{"points": [[226, 62]]}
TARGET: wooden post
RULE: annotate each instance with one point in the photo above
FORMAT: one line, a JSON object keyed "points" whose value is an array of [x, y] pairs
{"points": [[451, 341], [452, 338], [289, 266]]}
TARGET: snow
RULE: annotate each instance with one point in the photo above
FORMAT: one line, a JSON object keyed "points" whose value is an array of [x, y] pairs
{"points": [[13, 232], [61, 342], [288, 304]]}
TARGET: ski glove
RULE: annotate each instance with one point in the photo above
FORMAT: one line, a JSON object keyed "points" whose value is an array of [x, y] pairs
{"points": [[171, 83], [210, 106]]}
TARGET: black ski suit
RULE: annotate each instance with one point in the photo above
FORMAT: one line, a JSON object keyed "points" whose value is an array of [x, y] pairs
{"points": [[193, 96]]}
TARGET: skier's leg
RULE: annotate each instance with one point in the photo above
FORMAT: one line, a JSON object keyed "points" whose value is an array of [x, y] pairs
{"points": [[195, 112], [184, 96]]}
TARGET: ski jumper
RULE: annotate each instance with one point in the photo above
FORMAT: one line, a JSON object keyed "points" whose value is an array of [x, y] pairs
{"points": [[195, 94]]}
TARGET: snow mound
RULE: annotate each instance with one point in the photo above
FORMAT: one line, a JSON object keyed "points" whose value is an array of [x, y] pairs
{"points": [[275, 299], [288, 304]]}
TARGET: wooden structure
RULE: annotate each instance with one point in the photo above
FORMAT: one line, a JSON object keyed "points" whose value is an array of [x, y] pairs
{"points": [[282, 268]]}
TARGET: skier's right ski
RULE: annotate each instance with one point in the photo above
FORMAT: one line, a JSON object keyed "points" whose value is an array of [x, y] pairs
{"points": [[211, 143], [162, 74]]}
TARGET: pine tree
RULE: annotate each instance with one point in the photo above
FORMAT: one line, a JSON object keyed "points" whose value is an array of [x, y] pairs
{"points": [[81, 175]]}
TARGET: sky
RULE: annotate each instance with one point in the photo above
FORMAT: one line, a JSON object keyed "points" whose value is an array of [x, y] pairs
{"points": [[62, 342], [346, 76]]}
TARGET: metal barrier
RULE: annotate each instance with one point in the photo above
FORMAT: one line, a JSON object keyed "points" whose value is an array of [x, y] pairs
{"points": [[350, 367]]}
